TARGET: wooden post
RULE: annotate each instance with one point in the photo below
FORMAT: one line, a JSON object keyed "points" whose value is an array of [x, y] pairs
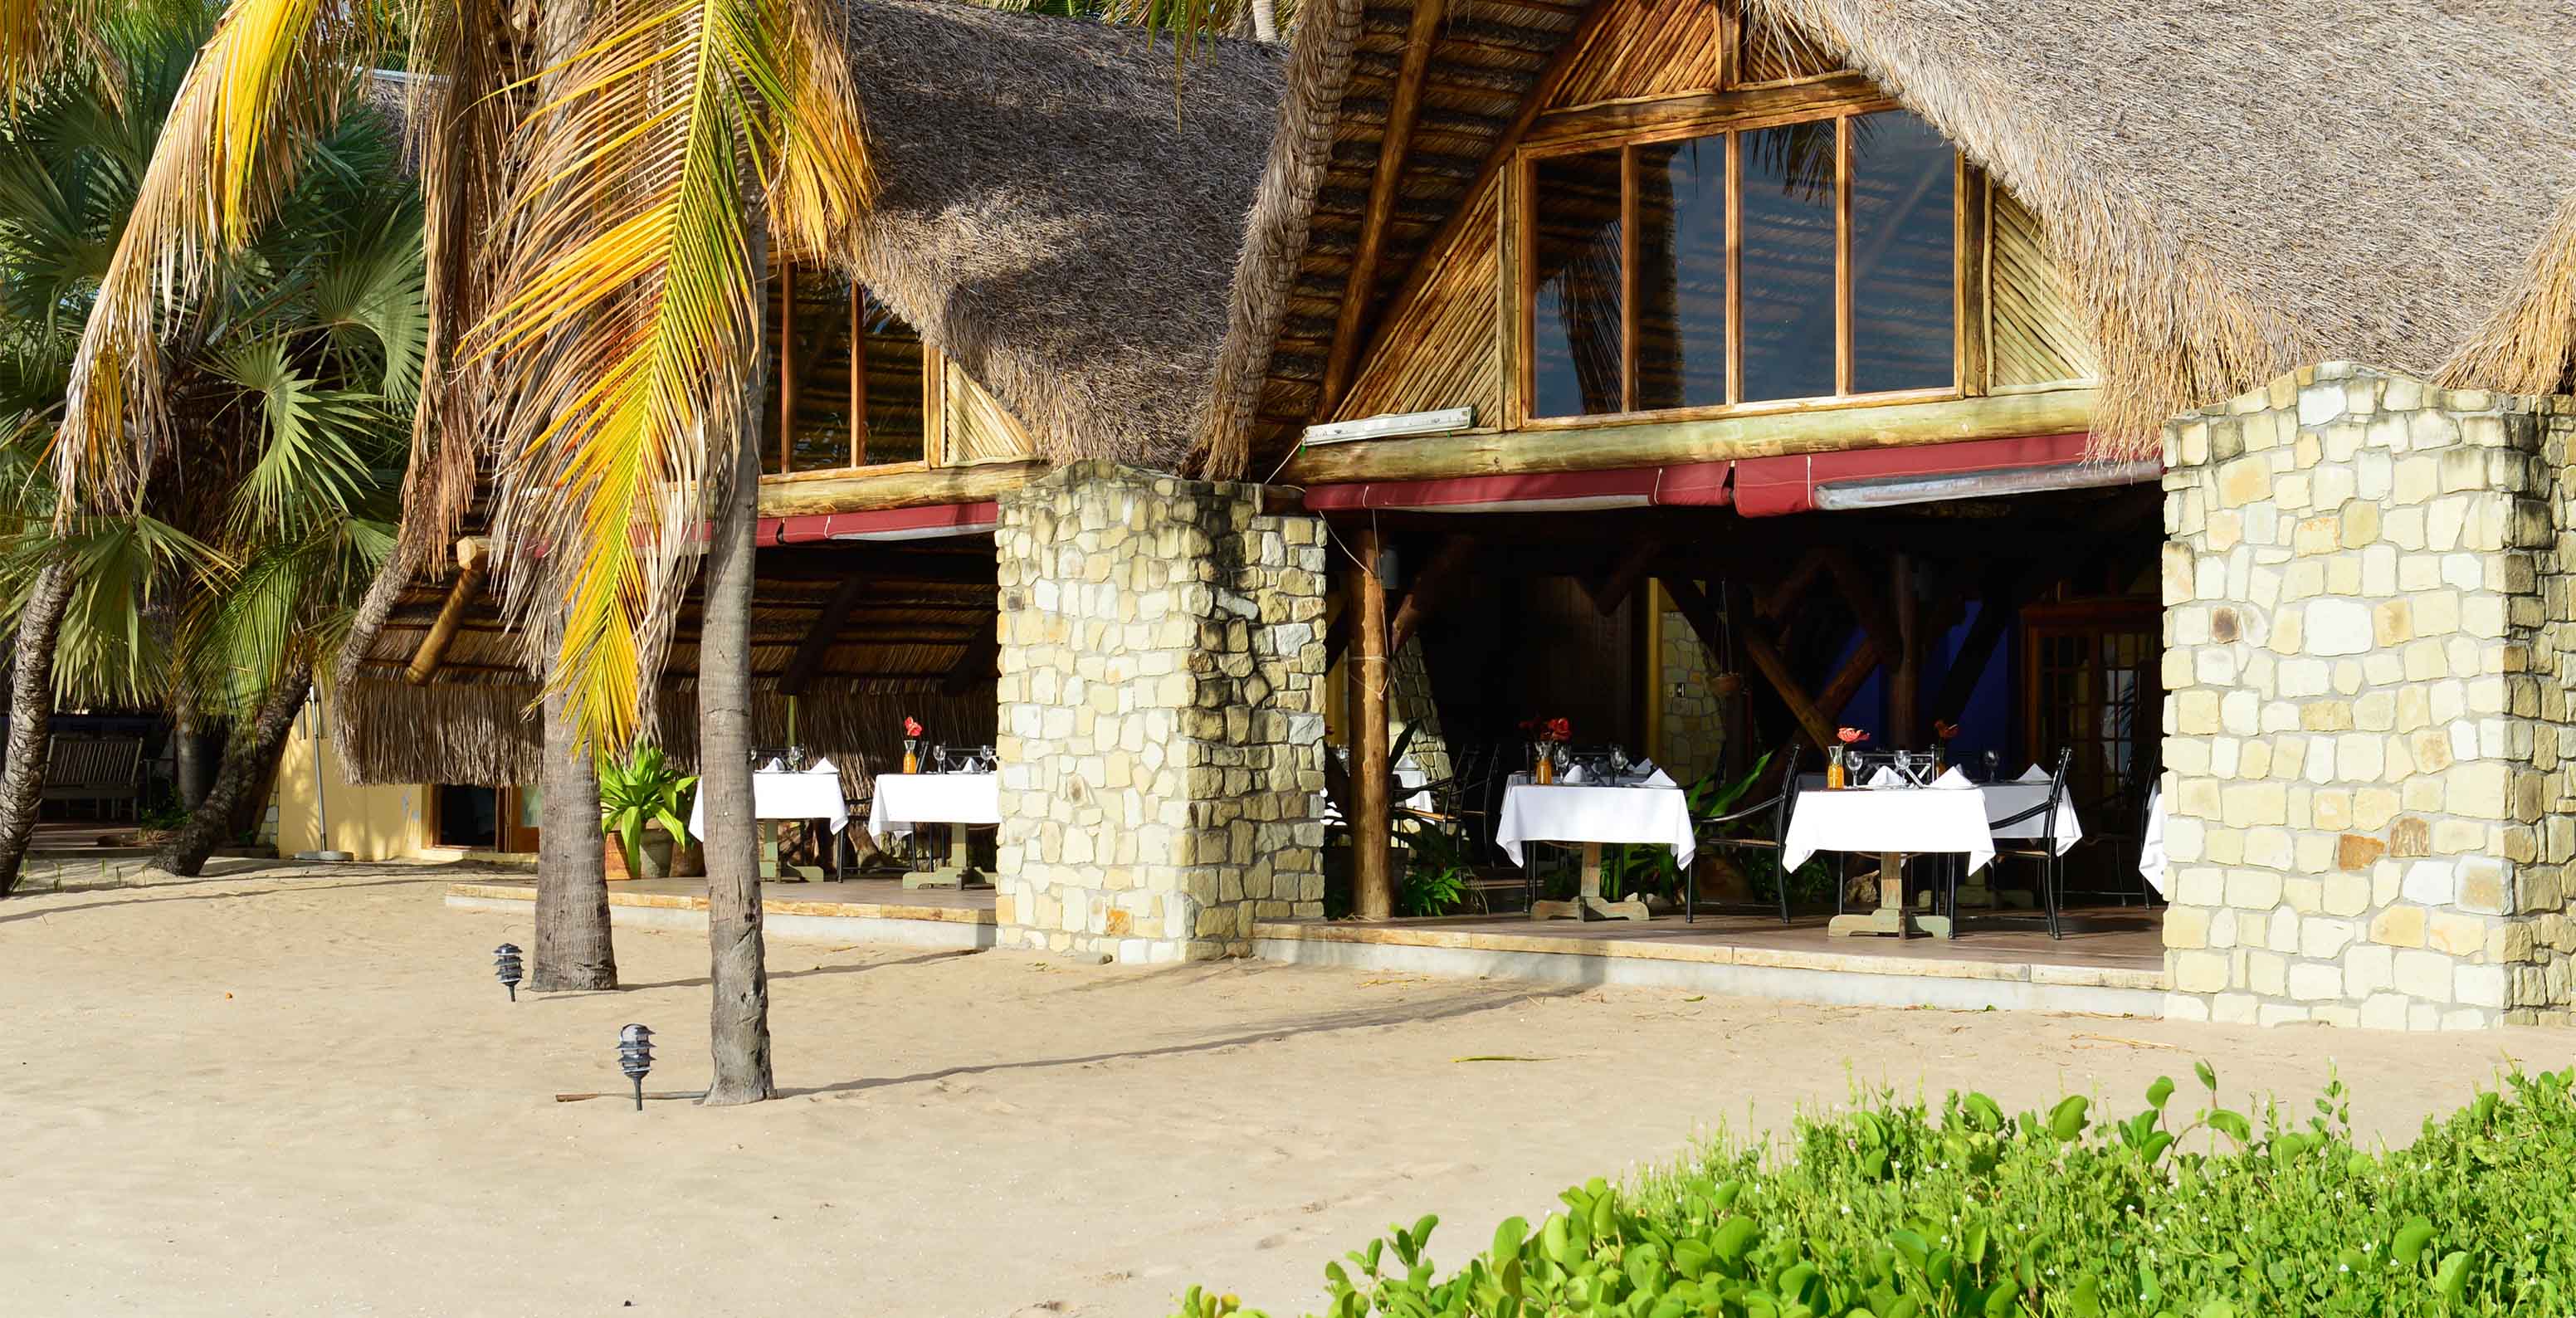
{"points": [[1905, 673], [1372, 871], [473, 561]]}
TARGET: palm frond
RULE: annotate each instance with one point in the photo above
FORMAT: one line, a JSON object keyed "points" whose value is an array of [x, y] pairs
{"points": [[266, 87], [629, 331]]}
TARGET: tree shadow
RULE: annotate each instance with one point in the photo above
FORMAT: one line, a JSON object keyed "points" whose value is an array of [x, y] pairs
{"points": [[849, 968], [279, 891], [1320, 1023]]}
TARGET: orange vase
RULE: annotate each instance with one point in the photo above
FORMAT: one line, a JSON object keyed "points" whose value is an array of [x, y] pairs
{"points": [[1546, 771], [911, 759]]}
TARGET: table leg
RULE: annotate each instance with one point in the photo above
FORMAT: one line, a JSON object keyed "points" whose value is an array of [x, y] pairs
{"points": [[957, 873], [1891, 917], [1589, 903]]}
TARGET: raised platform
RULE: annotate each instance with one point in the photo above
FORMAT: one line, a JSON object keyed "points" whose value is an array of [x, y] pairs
{"points": [[2110, 962], [851, 911]]}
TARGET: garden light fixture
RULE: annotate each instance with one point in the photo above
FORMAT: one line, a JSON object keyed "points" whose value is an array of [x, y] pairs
{"points": [[505, 967], [635, 1057]]}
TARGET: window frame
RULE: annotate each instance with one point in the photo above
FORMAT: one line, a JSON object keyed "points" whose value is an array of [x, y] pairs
{"points": [[786, 392], [1708, 115]]}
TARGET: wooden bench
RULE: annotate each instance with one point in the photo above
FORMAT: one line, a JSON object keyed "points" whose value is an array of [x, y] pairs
{"points": [[101, 769]]}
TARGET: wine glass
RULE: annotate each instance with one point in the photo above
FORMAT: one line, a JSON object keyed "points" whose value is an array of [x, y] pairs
{"points": [[1994, 766], [1905, 766], [939, 758], [1618, 761]]}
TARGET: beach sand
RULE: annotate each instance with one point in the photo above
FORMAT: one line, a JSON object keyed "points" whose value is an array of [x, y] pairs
{"points": [[300, 1090]]}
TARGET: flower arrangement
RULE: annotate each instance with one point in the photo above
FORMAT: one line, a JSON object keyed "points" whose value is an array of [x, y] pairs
{"points": [[1837, 757], [1850, 736], [911, 744], [1944, 729], [1547, 736]]}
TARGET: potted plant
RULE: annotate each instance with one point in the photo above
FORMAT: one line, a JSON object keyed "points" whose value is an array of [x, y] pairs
{"points": [[639, 812]]}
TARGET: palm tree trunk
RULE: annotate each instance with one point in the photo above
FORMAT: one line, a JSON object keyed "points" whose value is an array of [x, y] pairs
{"points": [[31, 712], [573, 950], [739, 1032], [187, 751], [1265, 19], [250, 761]]}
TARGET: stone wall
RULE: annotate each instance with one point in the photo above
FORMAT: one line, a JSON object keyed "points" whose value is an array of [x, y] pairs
{"points": [[1161, 714], [1690, 732], [2365, 718]]}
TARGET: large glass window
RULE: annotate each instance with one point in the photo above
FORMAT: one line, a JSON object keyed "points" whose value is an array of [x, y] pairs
{"points": [[1575, 344], [1903, 204], [850, 392], [1834, 275]]}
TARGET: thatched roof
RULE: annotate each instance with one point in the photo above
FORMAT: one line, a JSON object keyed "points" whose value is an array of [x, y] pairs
{"points": [[2235, 189], [1057, 215], [911, 635]]}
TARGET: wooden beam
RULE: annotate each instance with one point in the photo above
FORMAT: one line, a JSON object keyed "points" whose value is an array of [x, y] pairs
{"points": [[1506, 148], [1430, 586], [1808, 429], [1371, 824], [1905, 676], [976, 665], [1749, 107], [1403, 110], [1997, 606], [1613, 590], [804, 496], [1884, 627], [473, 563], [1692, 603], [786, 364], [1774, 601], [819, 637]]}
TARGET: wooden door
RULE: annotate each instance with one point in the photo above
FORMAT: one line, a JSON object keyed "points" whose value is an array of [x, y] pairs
{"points": [[2093, 683]]}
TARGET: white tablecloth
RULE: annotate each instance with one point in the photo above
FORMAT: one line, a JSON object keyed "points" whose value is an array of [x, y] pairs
{"points": [[2151, 848], [2004, 800], [813, 794], [1560, 813], [1917, 820], [906, 799], [1406, 775]]}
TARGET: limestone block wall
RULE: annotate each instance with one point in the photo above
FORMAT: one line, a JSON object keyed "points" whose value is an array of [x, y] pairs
{"points": [[1691, 722], [2365, 717], [1161, 714]]}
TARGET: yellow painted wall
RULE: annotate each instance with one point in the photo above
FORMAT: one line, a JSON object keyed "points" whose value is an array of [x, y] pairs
{"points": [[380, 822]]}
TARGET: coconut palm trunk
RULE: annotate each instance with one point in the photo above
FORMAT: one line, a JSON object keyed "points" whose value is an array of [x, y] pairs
{"points": [[739, 1024], [31, 713], [572, 950], [250, 762]]}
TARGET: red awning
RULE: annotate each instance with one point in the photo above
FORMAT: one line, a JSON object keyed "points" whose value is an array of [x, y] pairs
{"points": [[1761, 487], [926, 523], [1701, 484]]}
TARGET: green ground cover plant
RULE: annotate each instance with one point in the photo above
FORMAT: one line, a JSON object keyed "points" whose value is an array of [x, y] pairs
{"points": [[1893, 1210]]}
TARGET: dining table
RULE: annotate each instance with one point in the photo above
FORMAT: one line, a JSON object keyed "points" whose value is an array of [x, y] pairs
{"points": [[779, 793], [906, 800], [1638, 808], [1893, 819]]}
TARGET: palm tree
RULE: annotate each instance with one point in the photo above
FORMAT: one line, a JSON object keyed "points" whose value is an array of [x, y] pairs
{"points": [[597, 235], [291, 375]]}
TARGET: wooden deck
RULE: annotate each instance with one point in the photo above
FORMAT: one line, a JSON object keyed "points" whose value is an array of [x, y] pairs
{"points": [[2111, 961]]}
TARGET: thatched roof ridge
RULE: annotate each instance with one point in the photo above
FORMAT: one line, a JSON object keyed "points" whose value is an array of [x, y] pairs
{"points": [[2234, 190], [1057, 214]]}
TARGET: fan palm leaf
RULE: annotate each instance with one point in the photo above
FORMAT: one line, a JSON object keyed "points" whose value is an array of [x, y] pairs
{"points": [[265, 88], [627, 334]]}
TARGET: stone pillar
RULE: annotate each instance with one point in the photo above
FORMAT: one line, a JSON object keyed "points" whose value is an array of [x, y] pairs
{"points": [[2365, 716], [1161, 715]]}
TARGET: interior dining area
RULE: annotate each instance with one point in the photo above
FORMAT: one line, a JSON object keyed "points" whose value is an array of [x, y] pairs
{"points": [[1890, 713]]}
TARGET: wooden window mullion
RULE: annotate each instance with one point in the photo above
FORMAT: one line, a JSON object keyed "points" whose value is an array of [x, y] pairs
{"points": [[786, 365], [1842, 256], [858, 374], [1628, 279], [1734, 268]]}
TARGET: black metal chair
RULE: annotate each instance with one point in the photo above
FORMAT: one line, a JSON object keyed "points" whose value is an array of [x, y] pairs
{"points": [[2050, 865], [1712, 835]]}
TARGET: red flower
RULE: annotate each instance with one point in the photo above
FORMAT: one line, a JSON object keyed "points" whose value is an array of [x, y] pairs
{"points": [[1944, 730], [911, 726], [1847, 736], [1560, 729]]}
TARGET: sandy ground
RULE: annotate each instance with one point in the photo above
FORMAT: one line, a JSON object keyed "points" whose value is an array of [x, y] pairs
{"points": [[300, 1091]]}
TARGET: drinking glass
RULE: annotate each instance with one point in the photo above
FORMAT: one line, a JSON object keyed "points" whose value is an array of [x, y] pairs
{"points": [[1994, 766], [1619, 761], [1905, 766], [939, 758]]}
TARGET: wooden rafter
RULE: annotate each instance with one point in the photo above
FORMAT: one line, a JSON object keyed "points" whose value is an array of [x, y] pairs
{"points": [[1403, 111], [1774, 600], [976, 665], [1613, 589], [1430, 586], [819, 637], [1563, 63], [473, 561], [1866, 603]]}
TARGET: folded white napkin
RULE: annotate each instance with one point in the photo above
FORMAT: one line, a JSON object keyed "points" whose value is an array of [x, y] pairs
{"points": [[1952, 778], [1641, 766], [1658, 778], [1884, 776], [773, 766], [2034, 774], [1573, 774], [823, 766]]}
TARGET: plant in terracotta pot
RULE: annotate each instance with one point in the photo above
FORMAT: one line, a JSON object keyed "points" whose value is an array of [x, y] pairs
{"points": [[639, 812]]}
